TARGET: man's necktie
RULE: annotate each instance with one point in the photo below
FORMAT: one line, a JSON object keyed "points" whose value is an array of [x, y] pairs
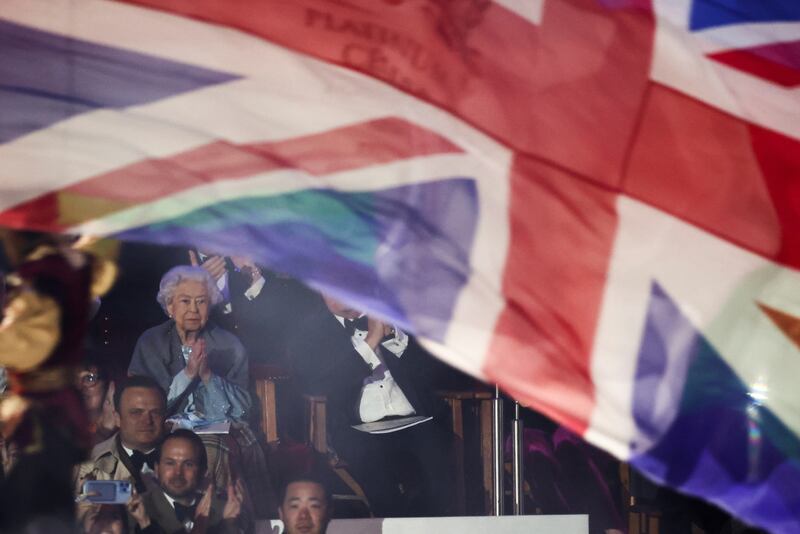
{"points": [[138, 459], [184, 513]]}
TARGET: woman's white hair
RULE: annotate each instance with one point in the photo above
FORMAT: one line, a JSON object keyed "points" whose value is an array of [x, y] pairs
{"points": [[181, 273]]}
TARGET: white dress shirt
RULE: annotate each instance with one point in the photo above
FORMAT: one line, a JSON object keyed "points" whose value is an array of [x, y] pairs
{"points": [[380, 395], [222, 284], [189, 524], [145, 468]]}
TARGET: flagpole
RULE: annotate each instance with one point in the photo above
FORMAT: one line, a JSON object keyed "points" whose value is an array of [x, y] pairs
{"points": [[517, 461], [497, 451]]}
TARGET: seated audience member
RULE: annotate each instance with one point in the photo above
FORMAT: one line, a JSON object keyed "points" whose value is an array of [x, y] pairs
{"points": [[98, 397], [129, 454], [373, 373], [305, 506], [176, 500], [204, 371]]}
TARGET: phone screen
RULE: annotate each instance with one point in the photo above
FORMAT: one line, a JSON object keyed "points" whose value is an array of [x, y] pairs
{"points": [[107, 491]]}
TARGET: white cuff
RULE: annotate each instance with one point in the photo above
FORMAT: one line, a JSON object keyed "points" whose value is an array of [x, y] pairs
{"points": [[366, 352], [255, 288], [222, 281]]}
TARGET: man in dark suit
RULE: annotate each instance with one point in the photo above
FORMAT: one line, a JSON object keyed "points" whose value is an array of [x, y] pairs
{"points": [[263, 309], [173, 502], [260, 307], [374, 373]]}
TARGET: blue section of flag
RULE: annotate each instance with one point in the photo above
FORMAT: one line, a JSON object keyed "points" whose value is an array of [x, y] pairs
{"points": [[712, 13], [747, 461], [46, 78], [403, 252], [668, 344]]}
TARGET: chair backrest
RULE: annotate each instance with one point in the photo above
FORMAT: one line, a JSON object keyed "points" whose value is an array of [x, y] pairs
{"points": [[265, 379], [316, 413]]}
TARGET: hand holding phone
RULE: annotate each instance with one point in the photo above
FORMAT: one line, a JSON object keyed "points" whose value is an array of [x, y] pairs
{"points": [[138, 511], [107, 491]]}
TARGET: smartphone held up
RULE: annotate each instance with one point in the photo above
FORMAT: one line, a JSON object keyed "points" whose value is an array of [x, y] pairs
{"points": [[107, 491]]}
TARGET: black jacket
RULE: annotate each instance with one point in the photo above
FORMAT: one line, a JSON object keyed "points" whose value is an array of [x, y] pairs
{"points": [[324, 362], [265, 324]]}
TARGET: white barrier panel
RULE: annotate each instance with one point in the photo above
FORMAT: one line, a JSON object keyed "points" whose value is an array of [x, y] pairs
{"points": [[524, 524]]}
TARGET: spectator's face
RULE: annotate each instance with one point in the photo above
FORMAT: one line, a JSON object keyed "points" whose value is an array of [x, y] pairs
{"points": [[189, 306], [304, 509], [340, 308], [178, 470], [140, 418], [92, 388]]}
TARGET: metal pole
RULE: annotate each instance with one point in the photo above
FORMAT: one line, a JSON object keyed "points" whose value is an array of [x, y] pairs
{"points": [[517, 461], [497, 452]]}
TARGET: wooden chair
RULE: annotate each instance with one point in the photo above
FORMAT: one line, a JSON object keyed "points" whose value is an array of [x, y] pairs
{"points": [[266, 378], [461, 403], [316, 416], [471, 404]]}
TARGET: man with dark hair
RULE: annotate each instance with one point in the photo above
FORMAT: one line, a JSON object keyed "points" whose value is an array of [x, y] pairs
{"points": [[174, 501], [140, 406], [305, 506], [136, 381], [201, 457], [261, 306]]}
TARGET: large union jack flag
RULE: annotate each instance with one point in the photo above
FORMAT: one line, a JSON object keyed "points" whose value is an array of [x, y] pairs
{"points": [[593, 203]]}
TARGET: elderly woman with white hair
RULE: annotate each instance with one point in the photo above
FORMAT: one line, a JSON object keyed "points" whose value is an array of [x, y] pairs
{"points": [[204, 371], [202, 367]]}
